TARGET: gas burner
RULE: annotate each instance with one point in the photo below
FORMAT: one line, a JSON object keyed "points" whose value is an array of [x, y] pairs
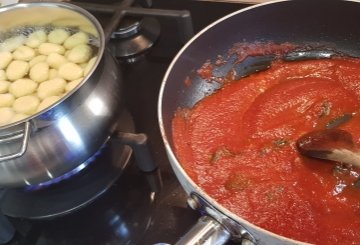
{"points": [[133, 30], [73, 193], [134, 37], [67, 175]]}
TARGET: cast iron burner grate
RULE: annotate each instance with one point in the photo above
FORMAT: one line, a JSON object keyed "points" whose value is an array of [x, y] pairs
{"points": [[133, 30]]}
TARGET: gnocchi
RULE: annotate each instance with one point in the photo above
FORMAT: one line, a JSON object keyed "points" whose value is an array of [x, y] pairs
{"points": [[6, 114], [6, 100], [55, 60], [4, 86], [52, 87], [22, 87], [58, 36], [17, 69], [76, 39], [89, 65], [71, 85], [5, 59], [39, 72], [36, 38], [12, 43], [3, 75], [24, 53], [47, 102], [39, 68], [26, 104], [37, 59], [70, 71], [53, 73], [80, 54], [48, 48], [18, 117]]}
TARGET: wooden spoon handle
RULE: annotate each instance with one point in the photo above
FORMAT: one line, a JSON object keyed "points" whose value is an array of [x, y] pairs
{"points": [[345, 156]]}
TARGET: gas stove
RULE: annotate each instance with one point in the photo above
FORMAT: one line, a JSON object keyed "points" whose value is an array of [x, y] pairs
{"points": [[131, 206]]}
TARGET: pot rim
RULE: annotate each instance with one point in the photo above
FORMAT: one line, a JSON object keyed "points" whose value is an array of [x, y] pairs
{"points": [[100, 52], [174, 161]]}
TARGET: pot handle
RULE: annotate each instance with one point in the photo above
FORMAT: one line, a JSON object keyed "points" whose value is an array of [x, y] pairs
{"points": [[207, 231], [24, 135]]}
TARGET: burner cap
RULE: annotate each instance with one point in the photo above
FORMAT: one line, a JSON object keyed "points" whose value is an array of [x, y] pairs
{"points": [[134, 37]]}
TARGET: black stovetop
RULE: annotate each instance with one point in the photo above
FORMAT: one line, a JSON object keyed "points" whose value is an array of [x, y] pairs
{"points": [[132, 211]]}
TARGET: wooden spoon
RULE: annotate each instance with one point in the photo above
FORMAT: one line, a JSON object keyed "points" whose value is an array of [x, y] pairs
{"points": [[329, 144]]}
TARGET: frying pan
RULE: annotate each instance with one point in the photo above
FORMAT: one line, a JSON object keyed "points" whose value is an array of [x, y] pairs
{"points": [[332, 25]]}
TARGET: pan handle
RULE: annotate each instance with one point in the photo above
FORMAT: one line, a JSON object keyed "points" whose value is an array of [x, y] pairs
{"points": [[213, 228], [23, 135], [207, 231]]}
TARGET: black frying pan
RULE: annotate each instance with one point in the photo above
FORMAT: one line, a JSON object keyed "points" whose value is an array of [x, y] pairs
{"points": [[331, 25]]}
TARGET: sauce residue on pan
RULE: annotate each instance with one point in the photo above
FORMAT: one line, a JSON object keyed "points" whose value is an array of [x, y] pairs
{"points": [[238, 145]]}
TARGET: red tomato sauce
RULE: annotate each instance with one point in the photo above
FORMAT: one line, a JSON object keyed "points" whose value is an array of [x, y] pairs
{"points": [[238, 145]]}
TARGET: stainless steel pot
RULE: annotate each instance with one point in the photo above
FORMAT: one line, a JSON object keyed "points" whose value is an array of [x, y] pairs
{"points": [[325, 23], [60, 138]]}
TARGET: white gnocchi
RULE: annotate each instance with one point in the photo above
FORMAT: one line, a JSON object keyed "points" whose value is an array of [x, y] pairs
{"points": [[18, 117], [4, 86], [37, 70], [48, 48], [3, 75], [76, 39], [52, 87], [70, 71], [6, 114], [22, 87], [26, 104], [71, 85], [58, 36], [53, 73], [24, 53], [80, 54], [5, 59], [55, 60], [12, 43], [47, 102], [36, 38], [6, 100], [89, 65], [17, 69], [37, 59]]}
